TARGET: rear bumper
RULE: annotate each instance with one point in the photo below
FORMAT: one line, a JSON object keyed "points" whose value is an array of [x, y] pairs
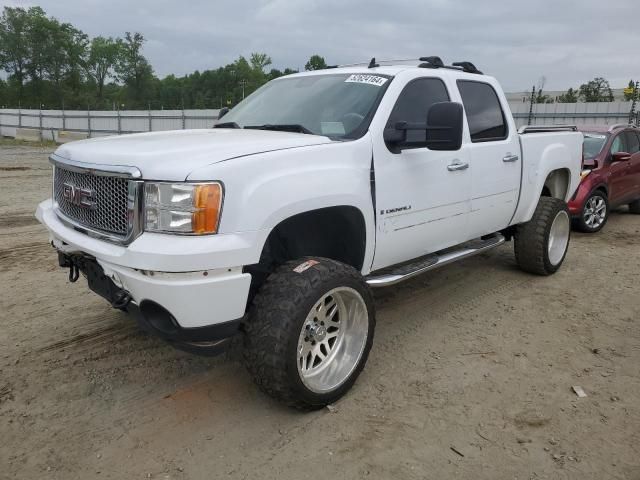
{"points": [[197, 298]]}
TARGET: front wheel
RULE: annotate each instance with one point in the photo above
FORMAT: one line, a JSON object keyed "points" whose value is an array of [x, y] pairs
{"points": [[595, 213], [309, 332], [541, 244]]}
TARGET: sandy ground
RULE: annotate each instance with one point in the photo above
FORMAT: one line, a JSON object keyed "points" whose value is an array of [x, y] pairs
{"points": [[470, 375]]}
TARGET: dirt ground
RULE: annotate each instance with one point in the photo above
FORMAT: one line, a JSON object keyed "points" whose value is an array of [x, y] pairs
{"points": [[470, 375]]}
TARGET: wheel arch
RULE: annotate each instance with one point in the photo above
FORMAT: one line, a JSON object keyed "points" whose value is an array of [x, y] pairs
{"points": [[557, 184], [336, 232]]}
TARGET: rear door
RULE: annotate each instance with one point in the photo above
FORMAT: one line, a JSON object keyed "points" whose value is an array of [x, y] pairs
{"points": [[495, 158], [619, 183], [632, 140]]}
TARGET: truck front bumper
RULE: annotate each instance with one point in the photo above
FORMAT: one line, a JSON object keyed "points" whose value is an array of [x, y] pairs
{"points": [[200, 303]]}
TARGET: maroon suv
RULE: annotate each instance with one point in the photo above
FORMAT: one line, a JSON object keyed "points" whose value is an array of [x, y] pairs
{"points": [[610, 177]]}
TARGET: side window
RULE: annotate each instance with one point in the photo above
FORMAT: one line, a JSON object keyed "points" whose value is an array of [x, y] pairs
{"points": [[633, 143], [414, 102], [618, 144], [484, 113]]}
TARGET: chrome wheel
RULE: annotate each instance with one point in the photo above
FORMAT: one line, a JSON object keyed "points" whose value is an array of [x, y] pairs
{"points": [[595, 212], [332, 339], [559, 237]]}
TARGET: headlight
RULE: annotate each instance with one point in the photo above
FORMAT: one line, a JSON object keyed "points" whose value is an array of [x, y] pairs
{"points": [[584, 173], [187, 208]]}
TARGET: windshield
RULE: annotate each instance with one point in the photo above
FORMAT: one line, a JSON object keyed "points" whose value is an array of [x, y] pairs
{"points": [[337, 106], [593, 144]]}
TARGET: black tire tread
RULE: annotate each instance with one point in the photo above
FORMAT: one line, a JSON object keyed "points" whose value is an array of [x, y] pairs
{"points": [[634, 207], [531, 237], [272, 318]]}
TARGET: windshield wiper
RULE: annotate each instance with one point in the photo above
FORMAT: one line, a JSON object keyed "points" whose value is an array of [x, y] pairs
{"points": [[226, 125], [293, 127]]}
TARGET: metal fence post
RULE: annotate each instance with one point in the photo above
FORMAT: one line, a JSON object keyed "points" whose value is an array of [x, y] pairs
{"points": [[150, 119], [533, 93], [40, 122], [89, 121], [19, 116], [119, 122], [64, 119], [183, 119]]}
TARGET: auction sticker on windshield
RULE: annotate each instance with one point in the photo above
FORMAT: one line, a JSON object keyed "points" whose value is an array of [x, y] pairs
{"points": [[368, 79]]}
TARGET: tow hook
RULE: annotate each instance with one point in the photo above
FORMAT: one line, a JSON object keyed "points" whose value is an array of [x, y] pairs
{"points": [[74, 272], [67, 262], [121, 299]]}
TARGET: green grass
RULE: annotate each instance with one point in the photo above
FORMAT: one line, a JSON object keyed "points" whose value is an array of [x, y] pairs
{"points": [[8, 141]]}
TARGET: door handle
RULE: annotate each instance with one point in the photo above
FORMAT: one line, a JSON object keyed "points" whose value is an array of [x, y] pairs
{"points": [[457, 165], [509, 157]]}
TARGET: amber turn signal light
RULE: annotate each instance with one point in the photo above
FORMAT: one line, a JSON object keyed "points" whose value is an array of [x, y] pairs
{"points": [[207, 201]]}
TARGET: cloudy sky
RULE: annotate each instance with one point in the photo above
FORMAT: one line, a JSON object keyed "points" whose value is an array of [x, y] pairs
{"points": [[566, 41]]}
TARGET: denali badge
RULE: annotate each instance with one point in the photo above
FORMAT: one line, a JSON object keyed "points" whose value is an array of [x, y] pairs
{"points": [[81, 197]]}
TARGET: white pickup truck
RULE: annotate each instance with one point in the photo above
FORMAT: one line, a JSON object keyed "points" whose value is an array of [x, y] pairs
{"points": [[276, 223]]}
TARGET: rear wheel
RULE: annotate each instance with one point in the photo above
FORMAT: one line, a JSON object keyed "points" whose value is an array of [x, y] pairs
{"points": [[309, 332], [541, 244], [595, 213], [634, 207]]}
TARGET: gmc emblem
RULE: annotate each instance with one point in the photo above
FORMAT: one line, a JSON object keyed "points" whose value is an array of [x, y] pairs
{"points": [[80, 197]]}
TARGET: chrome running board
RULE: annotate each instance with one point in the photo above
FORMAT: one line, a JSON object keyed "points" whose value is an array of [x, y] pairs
{"points": [[396, 274]]}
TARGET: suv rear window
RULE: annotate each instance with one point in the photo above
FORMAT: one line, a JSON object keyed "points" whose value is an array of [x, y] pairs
{"points": [[484, 113]]}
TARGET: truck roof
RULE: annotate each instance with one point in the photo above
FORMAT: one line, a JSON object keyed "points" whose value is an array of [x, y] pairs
{"points": [[394, 67]]}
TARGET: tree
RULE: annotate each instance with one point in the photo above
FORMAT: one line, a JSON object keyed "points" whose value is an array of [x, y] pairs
{"points": [[4, 93], [134, 70], [316, 62], [629, 96], [596, 90], [259, 61], [14, 51], [539, 96], [104, 54], [64, 55], [570, 96]]}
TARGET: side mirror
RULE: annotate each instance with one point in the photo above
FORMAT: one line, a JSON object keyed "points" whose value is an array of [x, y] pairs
{"points": [[444, 126], [223, 111], [621, 157], [394, 136]]}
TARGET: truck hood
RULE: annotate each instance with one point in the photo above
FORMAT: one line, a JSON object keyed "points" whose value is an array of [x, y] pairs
{"points": [[173, 155]]}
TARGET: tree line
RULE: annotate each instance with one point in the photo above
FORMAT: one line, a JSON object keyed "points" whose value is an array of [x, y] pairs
{"points": [[596, 90], [52, 64]]}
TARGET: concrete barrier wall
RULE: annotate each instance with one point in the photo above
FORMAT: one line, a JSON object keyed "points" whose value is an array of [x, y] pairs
{"points": [[99, 123], [600, 113]]}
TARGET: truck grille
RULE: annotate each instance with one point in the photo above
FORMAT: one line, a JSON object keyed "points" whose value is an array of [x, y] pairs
{"points": [[94, 201]]}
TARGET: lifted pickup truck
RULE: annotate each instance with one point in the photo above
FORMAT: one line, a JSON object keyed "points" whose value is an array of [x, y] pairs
{"points": [[277, 222]]}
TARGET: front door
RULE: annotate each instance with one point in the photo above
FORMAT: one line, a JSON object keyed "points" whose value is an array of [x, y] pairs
{"points": [[421, 195], [633, 147], [619, 178]]}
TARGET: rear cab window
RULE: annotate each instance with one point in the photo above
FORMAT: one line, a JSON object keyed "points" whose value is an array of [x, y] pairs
{"points": [[486, 119]]}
